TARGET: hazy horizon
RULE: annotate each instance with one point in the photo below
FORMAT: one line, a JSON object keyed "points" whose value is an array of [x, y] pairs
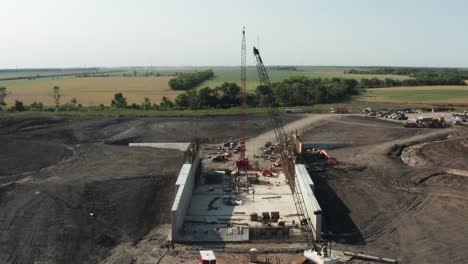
{"points": [[205, 33]]}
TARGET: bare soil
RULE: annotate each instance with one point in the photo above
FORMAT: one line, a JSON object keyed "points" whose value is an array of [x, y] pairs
{"points": [[375, 203], [72, 191]]}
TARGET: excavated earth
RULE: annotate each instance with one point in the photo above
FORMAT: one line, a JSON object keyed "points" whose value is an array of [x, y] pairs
{"points": [[72, 191], [377, 204]]}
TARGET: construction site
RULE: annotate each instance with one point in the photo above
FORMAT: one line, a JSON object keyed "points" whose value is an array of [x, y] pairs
{"points": [[275, 188]]}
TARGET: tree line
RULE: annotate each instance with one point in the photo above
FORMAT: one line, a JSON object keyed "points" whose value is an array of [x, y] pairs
{"points": [[419, 76], [293, 91], [189, 80], [290, 92]]}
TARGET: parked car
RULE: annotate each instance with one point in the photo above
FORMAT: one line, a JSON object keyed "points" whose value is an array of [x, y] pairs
{"points": [[456, 120]]}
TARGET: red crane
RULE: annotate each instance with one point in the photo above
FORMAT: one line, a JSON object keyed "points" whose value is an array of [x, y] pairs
{"points": [[243, 162]]}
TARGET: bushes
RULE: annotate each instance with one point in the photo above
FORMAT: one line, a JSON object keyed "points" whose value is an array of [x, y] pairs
{"points": [[186, 81], [18, 106], [36, 106], [119, 101]]}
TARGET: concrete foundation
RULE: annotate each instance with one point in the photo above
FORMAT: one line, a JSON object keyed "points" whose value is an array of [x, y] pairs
{"points": [[185, 185], [176, 146], [306, 185], [219, 213]]}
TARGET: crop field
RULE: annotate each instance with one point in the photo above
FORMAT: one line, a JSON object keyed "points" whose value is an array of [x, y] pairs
{"points": [[34, 73], [232, 74], [90, 90], [100, 90], [421, 94]]}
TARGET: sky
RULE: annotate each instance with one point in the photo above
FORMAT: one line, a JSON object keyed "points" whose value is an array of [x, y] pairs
{"points": [[112, 33]]}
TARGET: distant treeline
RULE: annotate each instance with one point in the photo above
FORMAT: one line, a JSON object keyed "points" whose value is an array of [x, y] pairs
{"points": [[38, 70], [289, 92], [189, 80], [282, 68], [420, 76], [57, 75], [378, 83]]}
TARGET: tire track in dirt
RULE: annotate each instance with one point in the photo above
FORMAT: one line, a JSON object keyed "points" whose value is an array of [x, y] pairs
{"points": [[375, 230]]}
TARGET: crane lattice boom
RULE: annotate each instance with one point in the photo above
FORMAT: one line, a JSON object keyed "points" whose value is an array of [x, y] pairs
{"points": [[243, 162], [287, 162]]}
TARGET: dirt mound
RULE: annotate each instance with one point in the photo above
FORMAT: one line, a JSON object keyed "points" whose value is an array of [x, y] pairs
{"points": [[450, 155], [447, 154]]}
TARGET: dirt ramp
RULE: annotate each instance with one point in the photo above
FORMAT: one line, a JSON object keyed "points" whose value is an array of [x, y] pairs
{"points": [[448, 155]]}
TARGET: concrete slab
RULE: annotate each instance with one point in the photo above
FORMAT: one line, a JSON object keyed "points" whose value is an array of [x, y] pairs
{"points": [[211, 202]]}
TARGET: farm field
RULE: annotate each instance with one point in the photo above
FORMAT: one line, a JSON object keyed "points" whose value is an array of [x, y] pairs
{"points": [[100, 90], [421, 94], [42, 72], [232, 74], [91, 90]]}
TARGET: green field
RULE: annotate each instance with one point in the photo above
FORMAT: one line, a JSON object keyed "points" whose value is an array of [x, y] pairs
{"points": [[444, 95]]}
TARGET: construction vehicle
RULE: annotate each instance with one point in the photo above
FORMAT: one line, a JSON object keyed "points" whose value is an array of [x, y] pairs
{"points": [[430, 122], [426, 122], [339, 110], [367, 110], [287, 166]]}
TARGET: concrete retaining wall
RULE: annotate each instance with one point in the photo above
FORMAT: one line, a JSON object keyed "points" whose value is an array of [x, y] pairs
{"points": [[185, 186], [324, 145], [177, 146], [306, 185]]}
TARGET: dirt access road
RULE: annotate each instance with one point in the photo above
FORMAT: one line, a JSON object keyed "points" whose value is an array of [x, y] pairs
{"points": [[375, 203], [307, 121]]}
